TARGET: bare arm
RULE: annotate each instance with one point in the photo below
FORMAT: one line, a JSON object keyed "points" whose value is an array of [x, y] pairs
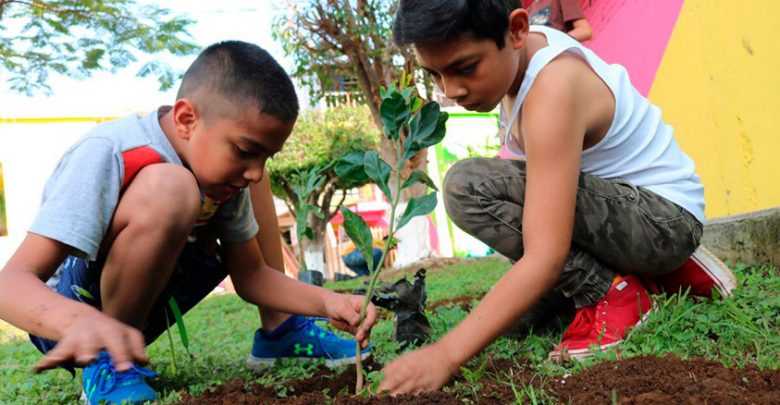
{"points": [[25, 300], [81, 330], [265, 214], [581, 30], [553, 148], [553, 134]]}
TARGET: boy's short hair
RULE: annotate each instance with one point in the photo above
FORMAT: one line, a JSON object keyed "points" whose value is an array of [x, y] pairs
{"points": [[242, 75], [435, 21]]}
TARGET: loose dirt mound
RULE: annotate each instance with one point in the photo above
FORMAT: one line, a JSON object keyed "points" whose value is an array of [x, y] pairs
{"points": [[640, 380], [669, 380]]}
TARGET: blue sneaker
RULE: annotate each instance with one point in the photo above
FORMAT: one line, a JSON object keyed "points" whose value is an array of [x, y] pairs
{"points": [[300, 338], [103, 384]]}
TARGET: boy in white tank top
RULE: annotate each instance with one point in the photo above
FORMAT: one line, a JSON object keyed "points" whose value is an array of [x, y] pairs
{"points": [[603, 204]]}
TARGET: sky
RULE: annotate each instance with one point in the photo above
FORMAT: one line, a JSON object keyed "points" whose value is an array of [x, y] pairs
{"points": [[107, 94]]}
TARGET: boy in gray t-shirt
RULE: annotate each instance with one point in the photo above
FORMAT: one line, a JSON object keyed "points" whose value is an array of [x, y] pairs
{"points": [[145, 211]]}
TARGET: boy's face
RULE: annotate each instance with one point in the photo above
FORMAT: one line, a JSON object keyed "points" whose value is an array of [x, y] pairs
{"points": [[226, 154], [475, 73]]}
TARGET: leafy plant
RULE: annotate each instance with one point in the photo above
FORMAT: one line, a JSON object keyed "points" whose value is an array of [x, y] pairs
{"points": [[410, 125], [304, 186], [318, 139]]}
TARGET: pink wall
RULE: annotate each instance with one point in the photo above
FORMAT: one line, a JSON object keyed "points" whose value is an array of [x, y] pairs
{"points": [[633, 33]]}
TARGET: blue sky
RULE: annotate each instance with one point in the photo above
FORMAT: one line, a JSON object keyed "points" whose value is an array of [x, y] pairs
{"points": [[123, 92]]}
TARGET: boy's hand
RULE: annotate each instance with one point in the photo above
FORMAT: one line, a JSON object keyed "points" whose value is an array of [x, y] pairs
{"points": [[83, 340], [343, 312], [421, 370]]}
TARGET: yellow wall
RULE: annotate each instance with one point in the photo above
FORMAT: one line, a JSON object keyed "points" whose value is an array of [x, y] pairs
{"points": [[719, 85]]}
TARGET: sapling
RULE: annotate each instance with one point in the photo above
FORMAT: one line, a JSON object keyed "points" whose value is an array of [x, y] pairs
{"points": [[411, 126], [305, 184]]}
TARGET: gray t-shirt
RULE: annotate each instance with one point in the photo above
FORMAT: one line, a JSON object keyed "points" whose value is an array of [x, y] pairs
{"points": [[82, 194]]}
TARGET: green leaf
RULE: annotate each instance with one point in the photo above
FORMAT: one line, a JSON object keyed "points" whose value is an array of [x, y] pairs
{"points": [[417, 206], [185, 340], [312, 179], [418, 176], [301, 225], [427, 128], [350, 167], [378, 171], [84, 293], [358, 232], [170, 342], [394, 114]]}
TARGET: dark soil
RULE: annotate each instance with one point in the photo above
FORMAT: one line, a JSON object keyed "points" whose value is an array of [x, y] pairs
{"points": [[669, 380], [640, 380]]}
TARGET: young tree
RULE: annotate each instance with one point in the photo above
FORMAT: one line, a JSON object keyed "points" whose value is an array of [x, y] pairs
{"points": [[332, 39], [77, 37], [318, 140]]}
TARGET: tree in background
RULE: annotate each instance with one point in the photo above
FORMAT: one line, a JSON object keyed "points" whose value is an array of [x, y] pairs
{"points": [[77, 37], [319, 140], [333, 39]]}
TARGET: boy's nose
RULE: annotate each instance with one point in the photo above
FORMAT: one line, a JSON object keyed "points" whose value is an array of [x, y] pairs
{"points": [[254, 174], [454, 91]]}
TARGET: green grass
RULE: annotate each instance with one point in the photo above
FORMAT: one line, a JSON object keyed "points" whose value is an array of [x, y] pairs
{"points": [[736, 332]]}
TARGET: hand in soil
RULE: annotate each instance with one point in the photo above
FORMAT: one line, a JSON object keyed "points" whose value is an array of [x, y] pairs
{"points": [[425, 369], [83, 340], [343, 312]]}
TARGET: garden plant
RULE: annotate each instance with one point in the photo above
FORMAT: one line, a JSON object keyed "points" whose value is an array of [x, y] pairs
{"points": [[411, 125], [319, 139], [304, 185]]}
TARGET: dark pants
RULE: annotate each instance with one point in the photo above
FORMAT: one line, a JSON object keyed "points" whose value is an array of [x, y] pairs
{"points": [[618, 228], [197, 273], [357, 263]]}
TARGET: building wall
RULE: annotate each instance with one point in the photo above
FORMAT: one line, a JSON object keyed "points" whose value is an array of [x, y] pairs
{"points": [[711, 65], [717, 85], [29, 152]]}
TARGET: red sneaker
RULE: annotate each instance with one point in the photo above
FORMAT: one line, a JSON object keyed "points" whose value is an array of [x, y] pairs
{"points": [[701, 273], [606, 322]]}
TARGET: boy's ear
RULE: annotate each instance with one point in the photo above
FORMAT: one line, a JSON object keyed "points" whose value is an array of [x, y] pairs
{"points": [[185, 114], [518, 27]]}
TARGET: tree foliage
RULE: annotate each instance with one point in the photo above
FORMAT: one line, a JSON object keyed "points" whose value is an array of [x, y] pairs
{"points": [[332, 39], [77, 37], [318, 140]]}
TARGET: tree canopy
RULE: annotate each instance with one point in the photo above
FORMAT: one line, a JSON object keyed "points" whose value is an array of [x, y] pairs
{"points": [[320, 138], [77, 37], [334, 39]]}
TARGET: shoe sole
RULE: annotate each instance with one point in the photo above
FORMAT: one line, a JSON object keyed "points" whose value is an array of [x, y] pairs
{"points": [[724, 279], [258, 364], [582, 354]]}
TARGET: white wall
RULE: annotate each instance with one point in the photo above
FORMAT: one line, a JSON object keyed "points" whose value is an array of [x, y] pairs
{"points": [[29, 153]]}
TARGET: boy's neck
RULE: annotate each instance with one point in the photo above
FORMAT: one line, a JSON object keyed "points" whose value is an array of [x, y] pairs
{"points": [[535, 43]]}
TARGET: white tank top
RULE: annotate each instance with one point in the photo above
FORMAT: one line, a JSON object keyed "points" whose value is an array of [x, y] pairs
{"points": [[638, 148]]}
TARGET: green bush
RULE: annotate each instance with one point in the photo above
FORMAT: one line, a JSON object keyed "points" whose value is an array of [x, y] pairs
{"points": [[319, 139]]}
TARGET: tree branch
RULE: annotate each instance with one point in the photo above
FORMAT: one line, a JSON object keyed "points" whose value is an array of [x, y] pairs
{"points": [[41, 6]]}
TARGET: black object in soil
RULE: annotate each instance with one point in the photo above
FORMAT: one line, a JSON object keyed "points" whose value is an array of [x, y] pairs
{"points": [[407, 301]]}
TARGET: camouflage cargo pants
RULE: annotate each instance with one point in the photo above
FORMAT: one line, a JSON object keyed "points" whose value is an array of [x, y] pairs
{"points": [[618, 228]]}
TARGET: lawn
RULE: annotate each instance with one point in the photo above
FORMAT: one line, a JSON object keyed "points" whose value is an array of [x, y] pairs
{"points": [[738, 332]]}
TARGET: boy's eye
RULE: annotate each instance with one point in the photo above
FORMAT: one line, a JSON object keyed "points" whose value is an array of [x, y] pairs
{"points": [[467, 70], [433, 75], [242, 153]]}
